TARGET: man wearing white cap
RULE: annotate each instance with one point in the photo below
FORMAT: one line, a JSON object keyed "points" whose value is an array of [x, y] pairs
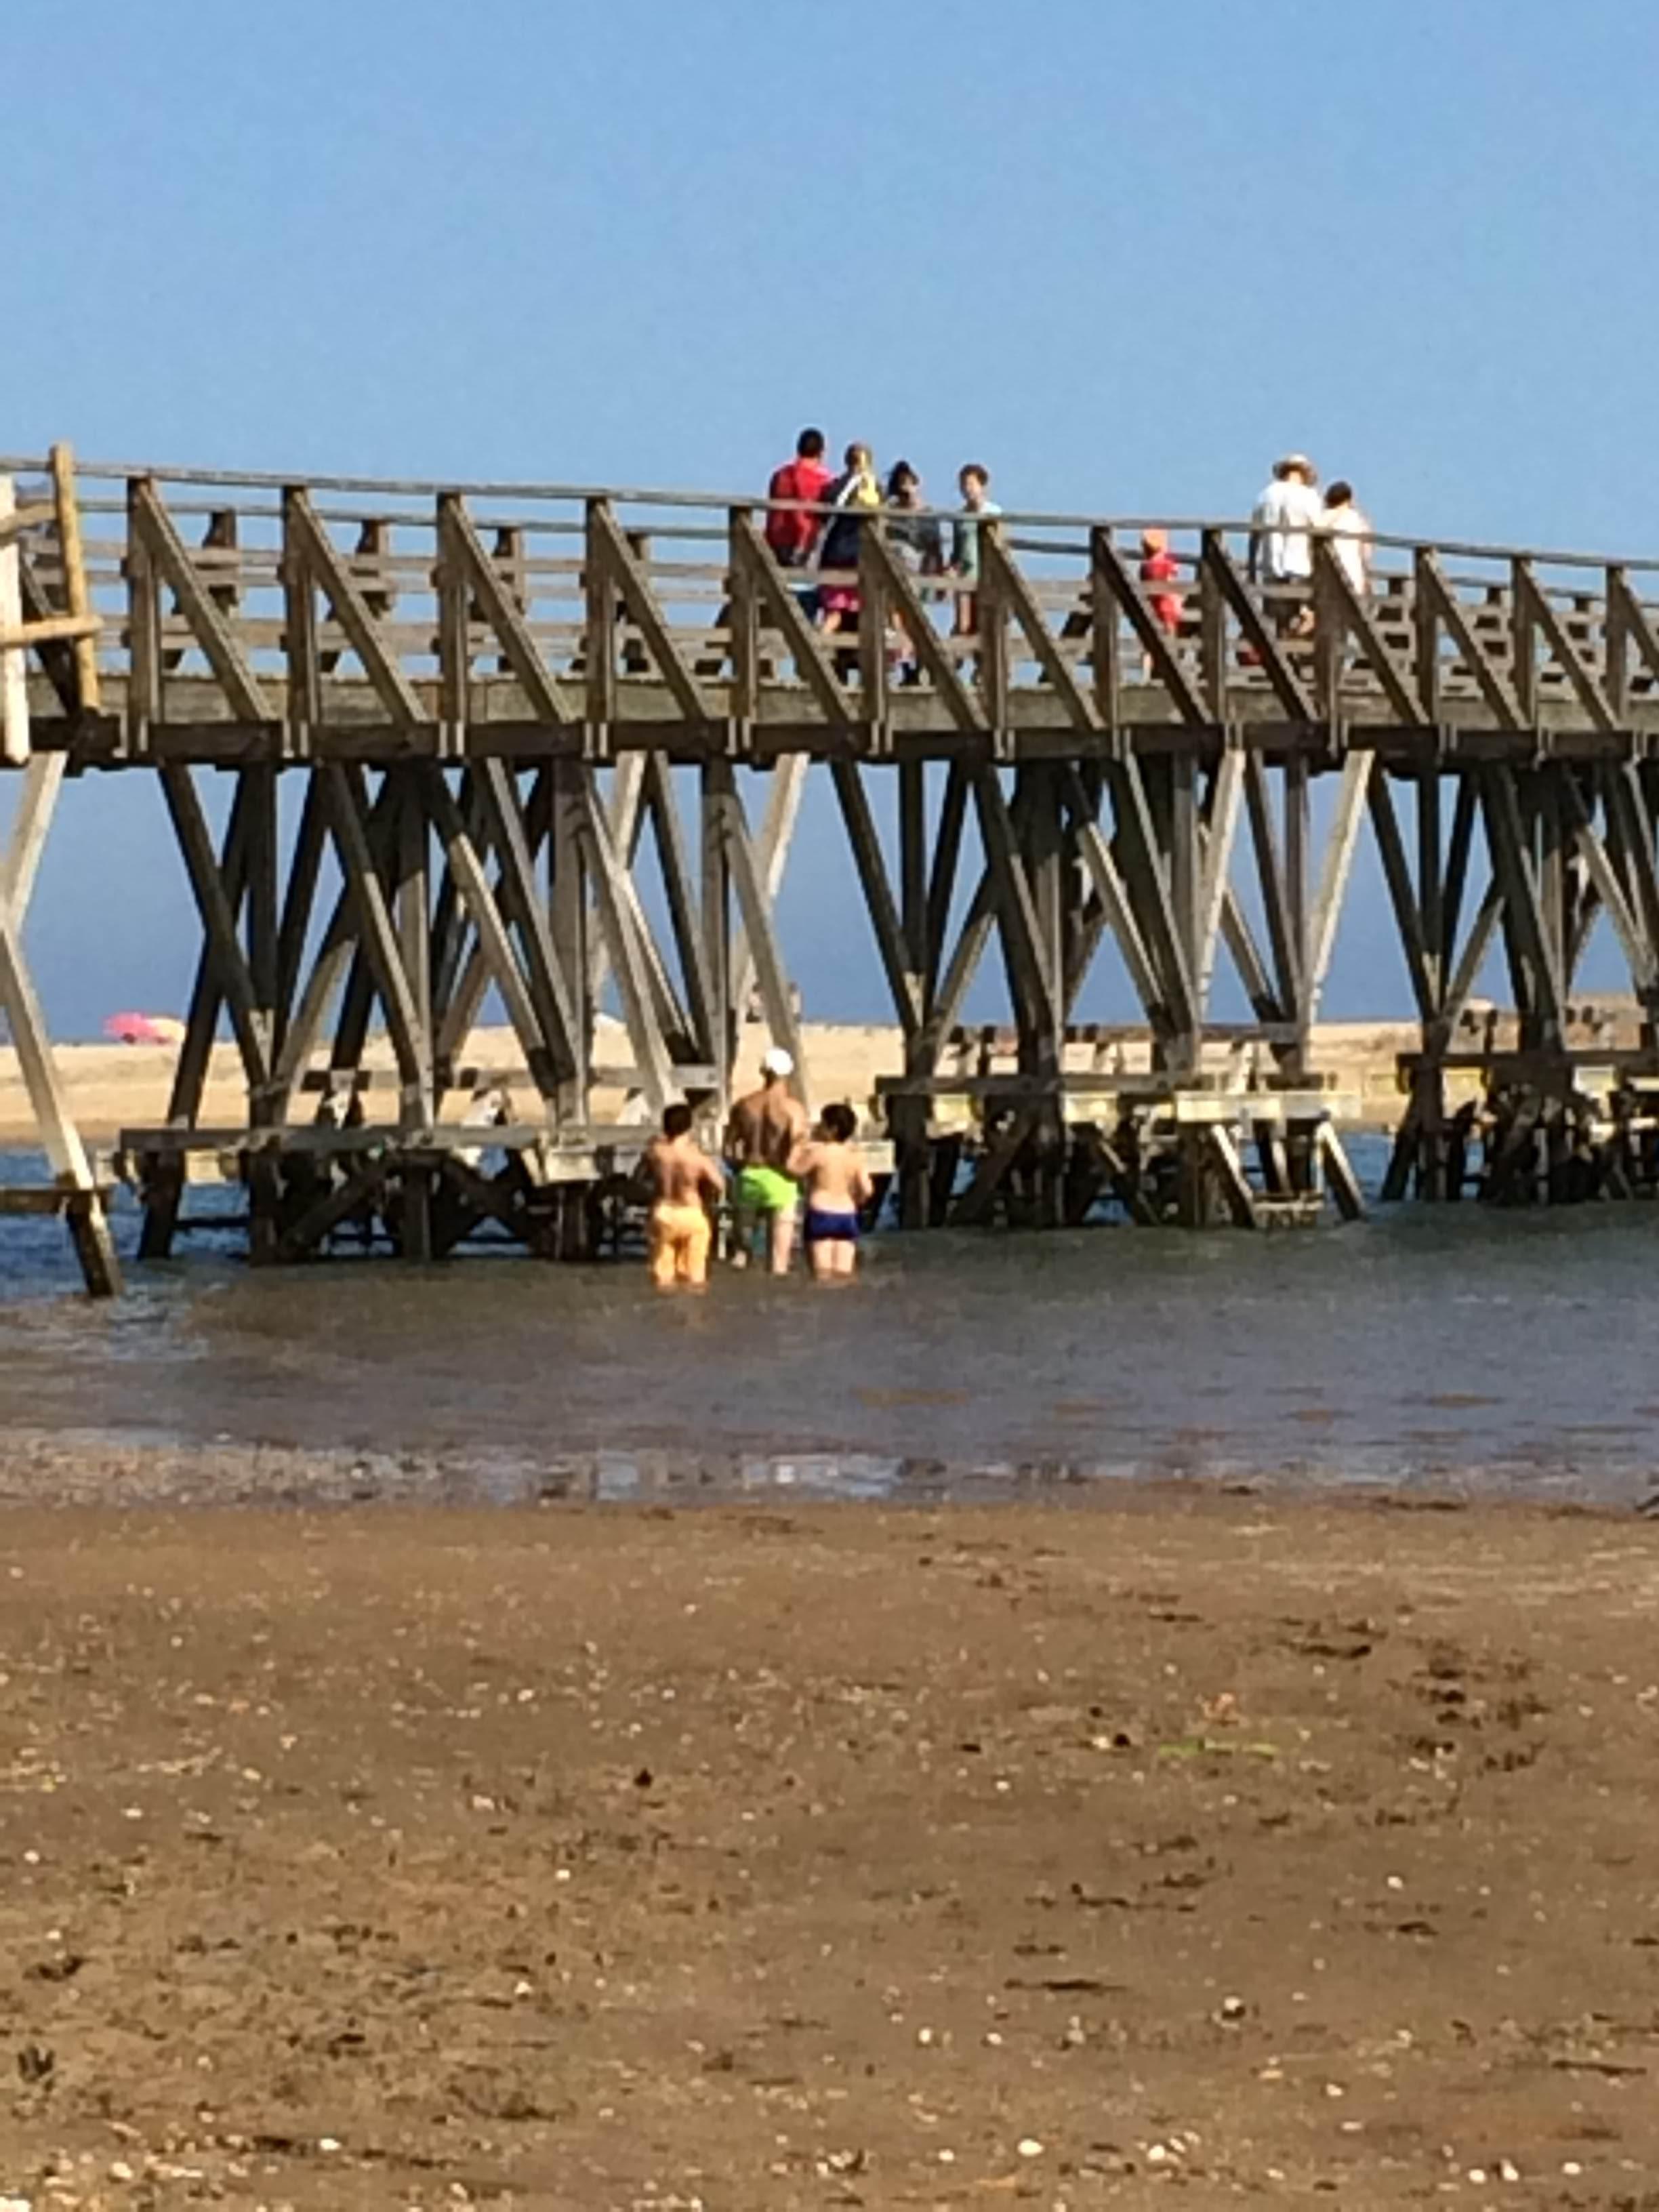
{"points": [[1281, 547], [763, 1131]]}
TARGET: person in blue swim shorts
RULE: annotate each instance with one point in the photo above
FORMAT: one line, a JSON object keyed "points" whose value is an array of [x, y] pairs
{"points": [[838, 1187]]}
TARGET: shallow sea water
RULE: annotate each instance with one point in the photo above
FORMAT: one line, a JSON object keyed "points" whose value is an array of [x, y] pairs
{"points": [[1454, 1349]]}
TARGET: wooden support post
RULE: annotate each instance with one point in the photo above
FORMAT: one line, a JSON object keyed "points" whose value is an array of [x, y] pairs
{"points": [[787, 786], [771, 976], [716, 903], [569, 915], [66, 1156], [913, 870], [619, 918], [406, 1022], [77, 597], [14, 670], [413, 921]]}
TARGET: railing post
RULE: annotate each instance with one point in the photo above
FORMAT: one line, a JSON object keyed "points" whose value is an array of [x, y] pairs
{"points": [[599, 643], [873, 632], [743, 620], [1615, 661], [1523, 656], [76, 597], [304, 665], [454, 640], [143, 625], [1106, 647], [1212, 625], [1426, 622], [991, 620], [1330, 638]]}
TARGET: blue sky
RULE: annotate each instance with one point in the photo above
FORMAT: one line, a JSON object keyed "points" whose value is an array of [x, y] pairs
{"points": [[1123, 254]]}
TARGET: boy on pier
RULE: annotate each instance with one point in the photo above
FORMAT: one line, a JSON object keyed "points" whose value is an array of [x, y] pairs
{"points": [[686, 1180], [838, 1187]]}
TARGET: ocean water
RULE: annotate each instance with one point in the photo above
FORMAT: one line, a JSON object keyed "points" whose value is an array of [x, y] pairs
{"points": [[1455, 1347]]}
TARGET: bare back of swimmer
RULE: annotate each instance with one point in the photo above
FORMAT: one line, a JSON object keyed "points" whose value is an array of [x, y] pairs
{"points": [[761, 1138], [838, 1188], [686, 1179]]}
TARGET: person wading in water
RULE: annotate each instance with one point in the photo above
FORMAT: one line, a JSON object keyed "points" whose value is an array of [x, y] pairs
{"points": [[763, 1131]]}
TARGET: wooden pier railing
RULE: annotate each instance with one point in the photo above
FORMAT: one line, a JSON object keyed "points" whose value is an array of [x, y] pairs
{"points": [[505, 736]]}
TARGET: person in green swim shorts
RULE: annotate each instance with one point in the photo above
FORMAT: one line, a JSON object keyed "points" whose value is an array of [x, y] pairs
{"points": [[764, 1130]]}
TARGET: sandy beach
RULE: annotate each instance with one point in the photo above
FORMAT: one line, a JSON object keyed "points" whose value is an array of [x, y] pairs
{"points": [[111, 1086], [747, 1857]]}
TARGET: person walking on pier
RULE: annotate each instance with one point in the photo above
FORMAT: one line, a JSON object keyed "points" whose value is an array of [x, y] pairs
{"points": [[913, 531], [838, 1188], [761, 1139], [1281, 542], [1348, 526], [916, 537], [792, 535], [975, 483], [1159, 566], [854, 492], [687, 1181]]}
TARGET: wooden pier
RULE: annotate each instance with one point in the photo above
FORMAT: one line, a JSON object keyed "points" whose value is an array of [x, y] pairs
{"points": [[547, 748]]}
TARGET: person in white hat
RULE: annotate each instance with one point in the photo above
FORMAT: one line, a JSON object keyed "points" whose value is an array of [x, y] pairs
{"points": [[761, 1137], [1281, 544]]}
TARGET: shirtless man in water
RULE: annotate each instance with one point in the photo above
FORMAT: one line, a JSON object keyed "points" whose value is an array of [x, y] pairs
{"points": [[838, 1187], [761, 1138], [684, 1177]]}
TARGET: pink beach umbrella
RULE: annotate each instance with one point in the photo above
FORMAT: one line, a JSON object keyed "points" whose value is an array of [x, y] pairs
{"points": [[144, 1029]]}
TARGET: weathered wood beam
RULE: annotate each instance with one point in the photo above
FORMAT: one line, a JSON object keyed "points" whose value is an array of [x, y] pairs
{"points": [[1358, 622], [460, 543], [1544, 618], [1353, 791], [745, 876], [613, 890], [1283, 921], [1220, 833], [210, 625], [1407, 915], [1435, 596], [347, 813], [893, 580], [1218, 563], [879, 903], [1532, 959], [1111, 576], [310, 549], [541, 1028], [1116, 905], [673, 863], [509, 832], [249, 1020], [1015, 594], [610, 550], [751, 559], [1038, 988]]}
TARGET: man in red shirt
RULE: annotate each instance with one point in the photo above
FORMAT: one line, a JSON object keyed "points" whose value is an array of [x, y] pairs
{"points": [[792, 536]]}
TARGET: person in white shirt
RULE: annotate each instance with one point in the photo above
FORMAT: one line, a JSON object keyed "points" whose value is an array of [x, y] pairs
{"points": [[1281, 543], [1350, 531]]}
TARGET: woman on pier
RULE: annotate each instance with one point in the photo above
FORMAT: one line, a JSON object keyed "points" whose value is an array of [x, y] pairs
{"points": [[854, 492]]}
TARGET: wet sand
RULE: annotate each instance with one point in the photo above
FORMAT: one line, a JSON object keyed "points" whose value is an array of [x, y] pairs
{"points": [[392, 1855]]}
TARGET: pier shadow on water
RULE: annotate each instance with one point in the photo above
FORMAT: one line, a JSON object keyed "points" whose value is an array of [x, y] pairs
{"points": [[1449, 1350]]}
